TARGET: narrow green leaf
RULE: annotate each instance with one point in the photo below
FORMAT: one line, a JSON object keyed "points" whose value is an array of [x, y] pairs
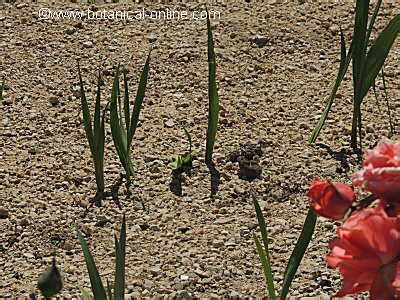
{"points": [[118, 134], [298, 251], [378, 53], [265, 259], [359, 40], [119, 284], [85, 294], [120, 117], [95, 280], [87, 121], [139, 99], [344, 64], [213, 100], [96, 122], [126, 103], [98, 135], [372, 21], [267, 270]]}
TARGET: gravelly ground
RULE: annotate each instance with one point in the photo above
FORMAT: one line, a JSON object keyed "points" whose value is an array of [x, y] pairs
{"points": [[276, 63]]}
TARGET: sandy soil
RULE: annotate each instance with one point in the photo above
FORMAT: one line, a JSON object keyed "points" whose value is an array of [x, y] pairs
{"points": [[276, 63]]}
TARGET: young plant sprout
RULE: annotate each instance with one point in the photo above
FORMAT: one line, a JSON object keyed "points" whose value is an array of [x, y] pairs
{"points": [[295, 257], [366, 63], [181, 162], [123, 125], [213, 101], [117, 290], [95, 136]]}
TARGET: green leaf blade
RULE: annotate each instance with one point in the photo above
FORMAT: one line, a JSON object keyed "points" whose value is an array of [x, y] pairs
{"points": [[126, 102], [87, 121], [140, 94], [119, 283], [213, 99], [344, 65], [378, 53], [118, 134], [298, 251], [265, 259], [95, 280]]}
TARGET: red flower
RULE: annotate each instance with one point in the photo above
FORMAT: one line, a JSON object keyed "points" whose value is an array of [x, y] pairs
{"points": [[381, 173], [367, 253], [330, 200]]}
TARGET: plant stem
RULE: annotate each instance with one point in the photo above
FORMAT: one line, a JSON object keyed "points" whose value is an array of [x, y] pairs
{"points": [[353, 141]]}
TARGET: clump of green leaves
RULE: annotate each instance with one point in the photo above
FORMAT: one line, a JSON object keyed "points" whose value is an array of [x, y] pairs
{"points": [[182, 162], [117, 290], [123, 122], [95, 136], [50, 282], [295, 258], [213, 100], [366, 63]]}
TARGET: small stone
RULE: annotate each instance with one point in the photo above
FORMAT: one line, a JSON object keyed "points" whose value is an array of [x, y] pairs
{"points": [[334, 29], [148, 284], [155, 271], [144, 226], [183, 229], [24, 222], [183, 277], [260, 40], [231, 242], [178, 95], [54, 100], [239, 190], [152, 38], [217, 243], [29, 255], [201, 273], [170, 123], [70, 30], [88, 44], [4, 213]]}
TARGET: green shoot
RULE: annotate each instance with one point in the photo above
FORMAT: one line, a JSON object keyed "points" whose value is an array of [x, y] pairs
{"points": [[298, 252], [98, 290], [50, 282], [264, 253], [213, 101], [123, 126], [366, 64], [295, 258], [181, 162], [95, 136]]}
